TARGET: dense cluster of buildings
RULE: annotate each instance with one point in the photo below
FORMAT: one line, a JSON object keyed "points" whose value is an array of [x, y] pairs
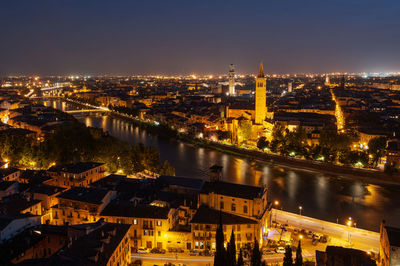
{"points": [[75, 214], [218, 108], [72, 206]]}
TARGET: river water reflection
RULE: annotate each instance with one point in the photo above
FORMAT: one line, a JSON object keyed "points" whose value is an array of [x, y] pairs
{"points": [[321, 196]]}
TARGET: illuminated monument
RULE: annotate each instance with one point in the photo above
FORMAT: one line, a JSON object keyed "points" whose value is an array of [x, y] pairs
{"points": [[231, 79], [261, 97]]}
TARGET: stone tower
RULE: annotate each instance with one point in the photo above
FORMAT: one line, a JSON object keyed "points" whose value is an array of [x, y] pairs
{"points": [[231, 79], [261, 96]]}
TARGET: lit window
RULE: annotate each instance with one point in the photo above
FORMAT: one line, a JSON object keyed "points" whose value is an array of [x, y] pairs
{"points": [[134, 221], [159, 223]]}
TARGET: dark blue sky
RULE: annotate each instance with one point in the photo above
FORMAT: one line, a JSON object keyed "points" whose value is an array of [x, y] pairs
{"points": [[175, 37]]}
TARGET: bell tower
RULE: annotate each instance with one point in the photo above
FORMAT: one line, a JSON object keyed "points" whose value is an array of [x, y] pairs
{"points": [[261, 96]]}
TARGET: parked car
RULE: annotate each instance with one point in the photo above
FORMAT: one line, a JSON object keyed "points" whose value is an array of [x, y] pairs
{"points": [[158, 251], [143, 250], [316, 236], [280, 250], [172, 250], [194, 252], [268, 251], [314, 242], [310, 234], [303, 232], [179, 250], [323, 239], [296, 231], [206, 252]]}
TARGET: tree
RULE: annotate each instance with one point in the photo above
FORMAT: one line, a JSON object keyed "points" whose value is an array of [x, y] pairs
{"points": [[240, 261], [262, 143], [256, 256], [220, 253], [231, 250], [167, 169], [245, 131], [376, 147], [287, 259], [299, 257]]}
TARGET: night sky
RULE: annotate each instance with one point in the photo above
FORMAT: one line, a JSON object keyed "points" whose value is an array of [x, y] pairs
{"points": [[57, 37]]}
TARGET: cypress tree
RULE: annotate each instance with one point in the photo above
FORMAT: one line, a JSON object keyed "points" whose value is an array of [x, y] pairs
{"points": [[220, 253], [299, 257], [288, 260], [256, 256], [240, 261], [231, 252]]}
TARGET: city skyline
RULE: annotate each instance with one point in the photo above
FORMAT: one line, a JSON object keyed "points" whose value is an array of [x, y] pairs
{"points": [[184, 38]]}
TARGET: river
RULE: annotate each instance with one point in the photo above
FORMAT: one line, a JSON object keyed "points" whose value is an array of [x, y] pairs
{"points": [[330, 198]]}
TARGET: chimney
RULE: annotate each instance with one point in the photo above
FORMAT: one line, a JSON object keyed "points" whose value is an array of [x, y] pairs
{"points": [[215, 173]]}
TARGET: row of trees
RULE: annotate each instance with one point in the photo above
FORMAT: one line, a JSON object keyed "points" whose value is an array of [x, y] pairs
{"points": [[227, 256], [333, 146], [75, 142]]}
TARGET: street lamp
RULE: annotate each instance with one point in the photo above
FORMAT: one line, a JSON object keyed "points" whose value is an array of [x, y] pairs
{"points": [[349, 223], [276, 203], [300, 209]]}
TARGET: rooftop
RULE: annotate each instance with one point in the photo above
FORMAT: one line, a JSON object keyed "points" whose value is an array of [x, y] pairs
{"points": [[95, 248], [75, 168], [191, 183], [205, 215], [83, 194], [232, 190], [127, 209]]}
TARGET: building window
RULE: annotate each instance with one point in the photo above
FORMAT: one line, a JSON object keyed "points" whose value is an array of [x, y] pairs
{"points": [[221, 205], [134, 221], [159, 223], [233, 207], [159, 233], [238, 227], [196, 244], [245, 209]]}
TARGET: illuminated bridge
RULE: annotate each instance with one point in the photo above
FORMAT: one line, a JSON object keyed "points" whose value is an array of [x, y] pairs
{"points": [[86, 111]]}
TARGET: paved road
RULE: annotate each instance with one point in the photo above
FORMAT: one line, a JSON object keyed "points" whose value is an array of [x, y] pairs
{"points": [[340, 234], [161, 259]]}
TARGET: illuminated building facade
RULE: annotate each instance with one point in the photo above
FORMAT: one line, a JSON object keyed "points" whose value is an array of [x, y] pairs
{"points": [[80, 174], [231, 79], [261, 96]]}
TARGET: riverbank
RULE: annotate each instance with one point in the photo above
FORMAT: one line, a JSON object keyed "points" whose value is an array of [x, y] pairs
{"points": [[370, 176], [365, 175]]}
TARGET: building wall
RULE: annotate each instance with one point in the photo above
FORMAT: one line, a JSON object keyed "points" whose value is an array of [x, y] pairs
{"points": [[44, 249], [238, 206], [261, 100], [17, 226], [203, 235], [84, 179], [122, 254], [149, 233]]}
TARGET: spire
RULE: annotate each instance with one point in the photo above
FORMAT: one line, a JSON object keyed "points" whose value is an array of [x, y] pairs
{"points": [[261, 71]]}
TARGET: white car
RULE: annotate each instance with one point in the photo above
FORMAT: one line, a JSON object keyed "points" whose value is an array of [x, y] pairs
{"points": [[143, 250], [280, 250]]}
